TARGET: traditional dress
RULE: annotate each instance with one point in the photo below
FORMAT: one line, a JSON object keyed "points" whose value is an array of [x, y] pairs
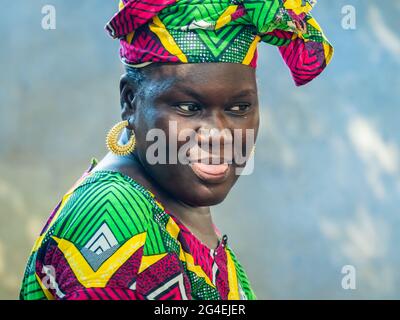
{"points": [[110, 238]]}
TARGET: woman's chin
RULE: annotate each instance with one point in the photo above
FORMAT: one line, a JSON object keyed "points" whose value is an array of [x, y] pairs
{"points": [[203, 197]]}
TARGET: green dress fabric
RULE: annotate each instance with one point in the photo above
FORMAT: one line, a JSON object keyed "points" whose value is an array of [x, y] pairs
{"points": [[110, 238]]}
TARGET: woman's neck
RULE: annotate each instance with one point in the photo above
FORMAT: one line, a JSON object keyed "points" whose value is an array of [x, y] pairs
{"points": [[197, 219]]}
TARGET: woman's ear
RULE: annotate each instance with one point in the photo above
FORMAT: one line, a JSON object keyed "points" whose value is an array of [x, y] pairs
{"points": [[128, 91]]}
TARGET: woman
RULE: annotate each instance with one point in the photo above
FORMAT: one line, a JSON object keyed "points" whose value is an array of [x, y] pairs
{"points": [[137, 224]]}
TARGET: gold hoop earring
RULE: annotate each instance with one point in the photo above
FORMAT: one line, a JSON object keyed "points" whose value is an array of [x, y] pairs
{"points": [[112, 140]]}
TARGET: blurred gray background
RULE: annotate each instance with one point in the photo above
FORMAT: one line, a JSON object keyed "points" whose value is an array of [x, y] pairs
{"points": [[326, 188]]}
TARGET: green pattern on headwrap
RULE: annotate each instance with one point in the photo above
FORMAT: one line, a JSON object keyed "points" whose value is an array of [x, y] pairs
{"points": [[195, 31]]}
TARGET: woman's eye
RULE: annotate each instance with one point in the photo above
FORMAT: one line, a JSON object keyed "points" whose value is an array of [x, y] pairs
{"points": [[240, 108], [188, 107]]}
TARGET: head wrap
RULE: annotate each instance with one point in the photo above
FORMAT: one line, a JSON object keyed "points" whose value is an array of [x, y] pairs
{"points": [[196, 31]]}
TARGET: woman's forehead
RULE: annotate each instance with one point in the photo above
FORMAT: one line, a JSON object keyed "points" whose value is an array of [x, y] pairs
{"points": [[204, 74]]}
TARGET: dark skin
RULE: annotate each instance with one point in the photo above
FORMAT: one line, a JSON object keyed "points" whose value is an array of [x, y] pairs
{"points": [[201, 95]]}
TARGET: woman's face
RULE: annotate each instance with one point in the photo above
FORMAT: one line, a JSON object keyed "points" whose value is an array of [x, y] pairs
{"points": [[187, 101]]}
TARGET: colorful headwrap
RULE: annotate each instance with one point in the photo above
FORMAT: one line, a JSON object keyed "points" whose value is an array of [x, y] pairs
{"points": [[195, 31]]}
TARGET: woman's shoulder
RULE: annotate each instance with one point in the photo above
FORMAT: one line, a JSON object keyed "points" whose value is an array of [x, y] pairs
{"points": [[105, 202]]}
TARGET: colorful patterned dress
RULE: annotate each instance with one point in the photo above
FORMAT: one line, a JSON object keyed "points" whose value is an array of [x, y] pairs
{"points": [[109, 238]]}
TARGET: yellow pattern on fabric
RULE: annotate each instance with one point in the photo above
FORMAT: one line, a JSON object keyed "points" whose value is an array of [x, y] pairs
{"points": [[191, 266], [232, 278], [166, 39], [147, 261], [129, 37], [328, 52], [84, 272], [314, 23], [297, 6], [226, 17], [172, 228], [250, 54]]}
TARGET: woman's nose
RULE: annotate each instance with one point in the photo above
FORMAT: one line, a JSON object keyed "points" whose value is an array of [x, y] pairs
{"points": [[214, 131]]}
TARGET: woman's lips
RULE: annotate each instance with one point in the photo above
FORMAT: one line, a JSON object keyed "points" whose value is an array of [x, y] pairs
{"points": [[213, 173]]}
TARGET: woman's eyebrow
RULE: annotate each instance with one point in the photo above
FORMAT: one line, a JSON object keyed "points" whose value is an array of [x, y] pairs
{"points": [[189, 91], [244, 93], [199, 96]]}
